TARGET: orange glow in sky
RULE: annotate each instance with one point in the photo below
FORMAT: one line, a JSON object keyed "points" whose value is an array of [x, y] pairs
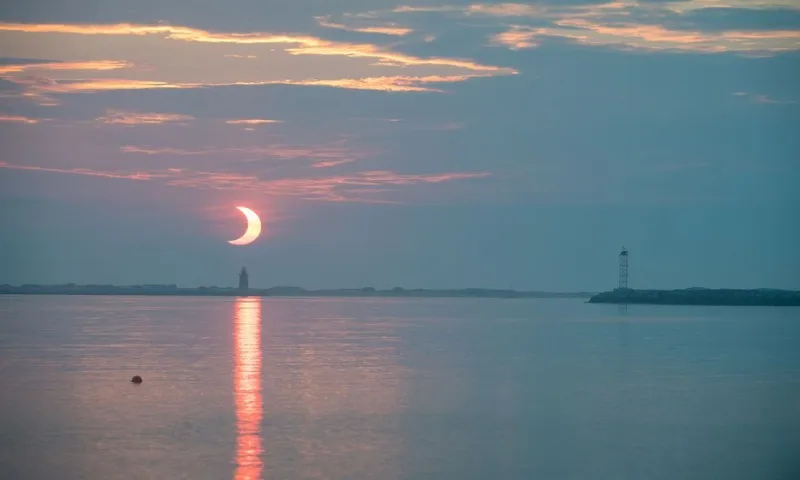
{"points": [[247, 388]]}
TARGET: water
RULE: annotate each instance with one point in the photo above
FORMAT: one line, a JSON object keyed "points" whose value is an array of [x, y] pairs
{"points": [[395, 389]]}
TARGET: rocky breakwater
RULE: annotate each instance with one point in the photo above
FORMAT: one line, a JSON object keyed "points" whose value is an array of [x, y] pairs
{"points": [[701, 296]]}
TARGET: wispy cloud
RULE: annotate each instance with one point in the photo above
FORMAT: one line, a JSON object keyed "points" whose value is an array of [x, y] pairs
{"points": [[544, 10], [387, 29], [624, 24], [506, 10], [763, 99], [42, 89], [17, 119], [40, 86], [423, 9], [392, 84], [332, 163], [766, 99], [692, 5], [168, 56], [251, 121], [100, 65], [85, 171], [147, 150], [516, 38], [121, 117], [657, 37], [376, 119], [358, 187], [336, 152]]}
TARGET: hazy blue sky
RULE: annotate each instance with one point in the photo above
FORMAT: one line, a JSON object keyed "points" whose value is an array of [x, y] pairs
{"points": [[415, 143]]}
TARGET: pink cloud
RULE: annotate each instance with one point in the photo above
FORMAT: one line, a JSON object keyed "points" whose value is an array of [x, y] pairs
{"points": [[516, 38], [188, 58], [505, 10], [426, 9], [610, 24], [357, 187], [121, 117], [18, 119], [337, 152], [42, 87], [651, 37], [763, 99], [185, 57], [332, 163], [98, 65], [388, 29], [390, 84], [85, 171], [251, 121]]}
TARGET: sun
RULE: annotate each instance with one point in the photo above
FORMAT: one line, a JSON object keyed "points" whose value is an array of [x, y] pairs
{"points": [[253, 228]]}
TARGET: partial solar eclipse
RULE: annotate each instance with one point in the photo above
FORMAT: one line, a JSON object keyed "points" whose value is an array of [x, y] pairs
{"points": [[253, 228]]}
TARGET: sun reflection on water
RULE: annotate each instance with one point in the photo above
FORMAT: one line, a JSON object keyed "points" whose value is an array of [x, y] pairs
{"points": [[247, 388]]}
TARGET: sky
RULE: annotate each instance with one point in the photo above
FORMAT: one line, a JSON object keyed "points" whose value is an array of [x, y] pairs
{"points": [[413, 143]]}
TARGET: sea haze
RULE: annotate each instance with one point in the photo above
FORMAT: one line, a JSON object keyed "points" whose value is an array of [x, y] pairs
{"points": [[395, 389]]}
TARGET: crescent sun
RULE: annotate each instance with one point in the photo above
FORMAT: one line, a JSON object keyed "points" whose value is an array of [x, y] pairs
{"points": [[253, 228]]}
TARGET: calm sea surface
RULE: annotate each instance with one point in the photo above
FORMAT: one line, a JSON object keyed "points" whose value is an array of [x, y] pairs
{"points": [[395, 389]]}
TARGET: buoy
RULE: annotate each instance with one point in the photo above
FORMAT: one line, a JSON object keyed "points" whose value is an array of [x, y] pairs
{"points": [[136, 379]]}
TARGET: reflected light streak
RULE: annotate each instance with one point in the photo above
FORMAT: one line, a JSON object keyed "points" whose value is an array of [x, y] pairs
{"points": [[247, 388]]}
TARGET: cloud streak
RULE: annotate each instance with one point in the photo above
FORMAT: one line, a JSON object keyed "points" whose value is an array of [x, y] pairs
{"points": [[335, 152], [121, 117], [4, 118], [659, 38], [179, 57], [97, 65], [391, 84], [357, 187], [763, 99], [516, 38], [83, 171], [389, 29], [649, 26], [251, 121], [693, 5], [332, 163]]}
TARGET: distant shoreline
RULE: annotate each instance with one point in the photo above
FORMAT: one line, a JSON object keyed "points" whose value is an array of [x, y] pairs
{"points": [[173, 290], [763, 297]]}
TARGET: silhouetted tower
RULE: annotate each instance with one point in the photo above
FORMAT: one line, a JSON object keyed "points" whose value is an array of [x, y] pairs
{"points": [[623, 268], [243, 281]]}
